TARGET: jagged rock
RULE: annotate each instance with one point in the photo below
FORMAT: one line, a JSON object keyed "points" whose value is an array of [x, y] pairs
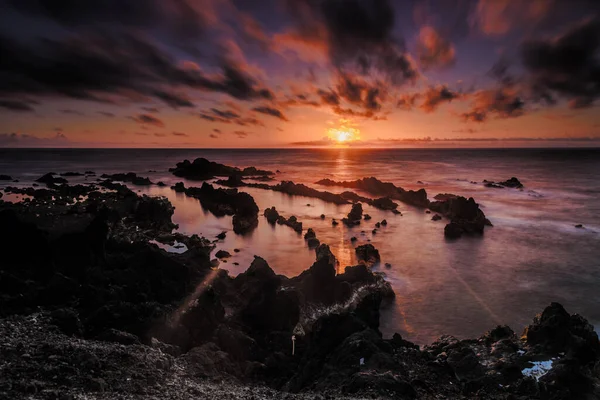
{"points": [[384, 222], [384, 203], [465, 216], [222, 235], [334, 222], [354, 216], [202, 169], [366, 217], [310, 234], [555, 331], [179, 187], [436, 217], [116, 336], [323, 251], [313, 242], [353, 239], [292, 222], [49, 179], [128, 177], [367, 254], [322, 216], [271, 214]]}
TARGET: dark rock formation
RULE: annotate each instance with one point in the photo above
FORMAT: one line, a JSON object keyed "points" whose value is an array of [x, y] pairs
{"points": [[510, 183], [368, 254], [222, 254], [292, 222], [5, 178], [310, 234], [128, 177], [272, 215], [202, 169], [465, 216], [354, 216], [313, 243], [436, 217], [50, 179], [179, 187], [228, 202]]}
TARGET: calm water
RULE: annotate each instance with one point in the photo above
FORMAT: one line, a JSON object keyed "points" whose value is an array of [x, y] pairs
{"points": [[533, 255]]}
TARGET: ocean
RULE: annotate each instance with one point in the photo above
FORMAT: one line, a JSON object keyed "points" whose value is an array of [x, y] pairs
{"points": [[533, 254]]}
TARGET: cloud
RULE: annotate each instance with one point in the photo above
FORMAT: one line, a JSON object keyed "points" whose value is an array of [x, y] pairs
{"points": [[434, 96], [217, 130], [270, 111], [498, 17], [148, 120], [228, 117], [358, 35], [213, 136], [407, 101], [181, 134], [153, 110], [241, 134], [116, 65], [106, 114], [27, 140], [72, 112], [16, 105], [158, 134], [502, 103], [434, 51], [566, 66], [329, 97]]}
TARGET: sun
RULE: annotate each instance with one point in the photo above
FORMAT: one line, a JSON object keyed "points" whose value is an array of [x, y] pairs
{"points": [[344, 134]]}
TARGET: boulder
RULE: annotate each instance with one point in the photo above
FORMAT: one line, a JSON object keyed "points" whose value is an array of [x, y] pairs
{"points": [[272, 215], [222, 254], [313, 243], [354, 216], [368, 254], [49, 179], [310, 234]]}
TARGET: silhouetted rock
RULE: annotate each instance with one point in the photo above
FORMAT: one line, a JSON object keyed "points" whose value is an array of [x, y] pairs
{"points": [[292, 222], [228, 202], [354, 216], [271, 214], [313, 242], [510, 183], [5, 178], [179, 187], [222, 254], [366, 217], [323, 251], [384, 203], [368, 254], [555, 331], [579, 226], [465, 216], [202, 169], [436, 217], [50, 179], [128, 177], [310, 234]]}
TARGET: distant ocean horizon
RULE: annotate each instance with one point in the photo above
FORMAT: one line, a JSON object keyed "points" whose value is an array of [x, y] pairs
{"points": [[532, 255]]}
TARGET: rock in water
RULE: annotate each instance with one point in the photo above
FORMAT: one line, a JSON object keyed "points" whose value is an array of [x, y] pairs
{"points": [[310, 234], [354, 216], [368, 254], [222, 254], [271, 214]]}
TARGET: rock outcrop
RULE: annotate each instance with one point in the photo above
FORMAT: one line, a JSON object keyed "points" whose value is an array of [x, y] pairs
{"points": [[203, 169]]}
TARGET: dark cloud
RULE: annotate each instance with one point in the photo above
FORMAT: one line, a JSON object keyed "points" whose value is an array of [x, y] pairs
{"points": [[434, 96], [241, 134], [407, 101], [227, 114], [501, 103], [158, 134], [114, 65], [434, 51], [217, 130], [181, 20], [329, 97], [148, 120], [567, 66], [106, 114], [357, 34], [27, 140], [151, 109], [228, 117], [72, 112], [180, 134], [213, 136], [16, 105], [270, 111]]}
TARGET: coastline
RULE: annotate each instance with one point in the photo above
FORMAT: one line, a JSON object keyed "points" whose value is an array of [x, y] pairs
{"points": [[82, 254]]}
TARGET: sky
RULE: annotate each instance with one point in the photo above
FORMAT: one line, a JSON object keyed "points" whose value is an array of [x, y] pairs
{"points": [[299, 73]]}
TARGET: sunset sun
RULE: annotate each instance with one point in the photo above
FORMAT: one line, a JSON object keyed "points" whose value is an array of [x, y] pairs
{"points": [[344, 134]]}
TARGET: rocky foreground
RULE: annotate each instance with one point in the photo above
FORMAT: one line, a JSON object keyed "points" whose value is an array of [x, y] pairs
{"points": [[90, 308]]}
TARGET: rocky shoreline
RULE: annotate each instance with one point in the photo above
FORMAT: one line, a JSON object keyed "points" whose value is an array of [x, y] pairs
{"points": [[91, 308]]}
